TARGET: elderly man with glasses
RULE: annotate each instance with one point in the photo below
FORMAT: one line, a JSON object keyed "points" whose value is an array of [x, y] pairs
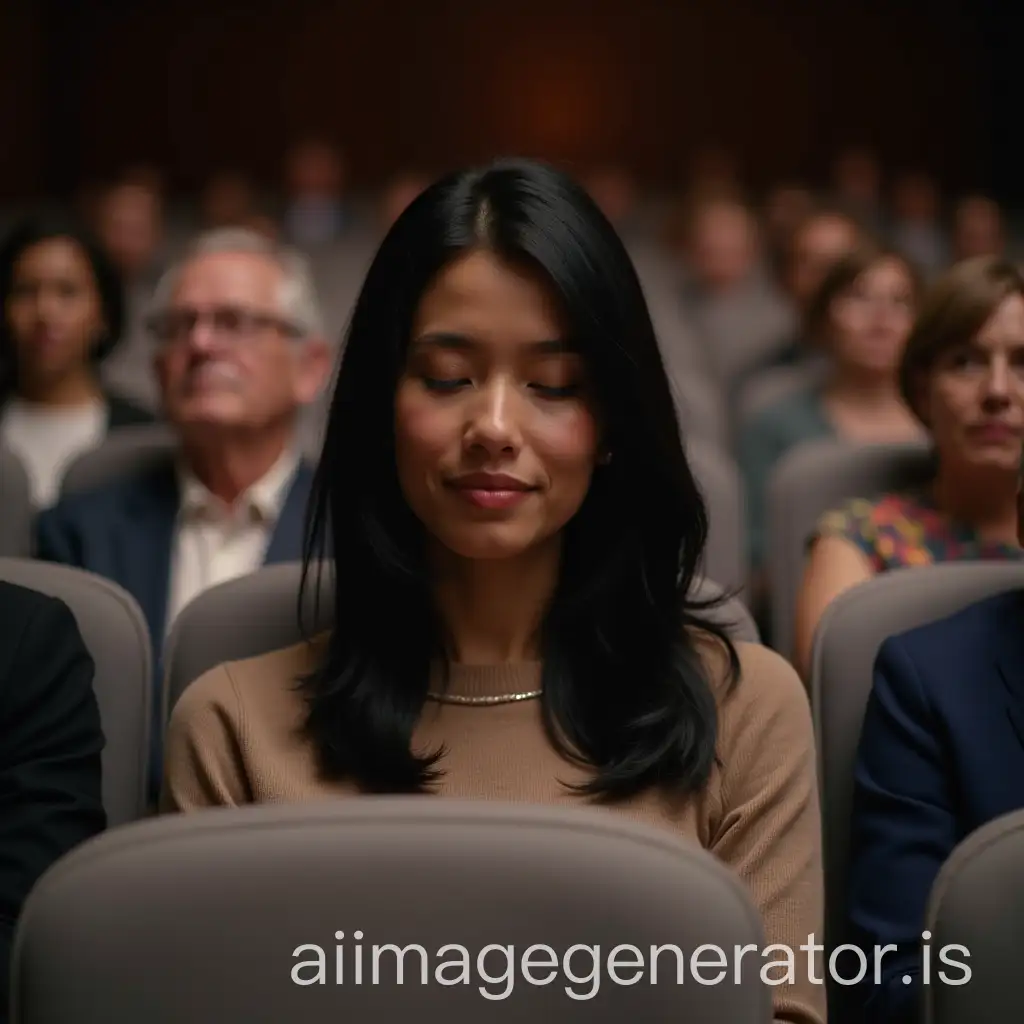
{"points": [[240, 352]]}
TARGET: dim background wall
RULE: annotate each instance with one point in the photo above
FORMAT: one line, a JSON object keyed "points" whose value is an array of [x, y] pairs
{"points": [[89, 85]]}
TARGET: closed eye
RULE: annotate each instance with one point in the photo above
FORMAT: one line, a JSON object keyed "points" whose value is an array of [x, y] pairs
{"points": [[547, 391], [444, 385]]}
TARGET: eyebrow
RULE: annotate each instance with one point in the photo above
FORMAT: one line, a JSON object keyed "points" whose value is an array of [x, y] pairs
{"points": [[452, 341]]}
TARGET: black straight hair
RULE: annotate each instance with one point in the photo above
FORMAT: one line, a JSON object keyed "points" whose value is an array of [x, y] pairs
{"points": [[626, 690], [45, 228]]}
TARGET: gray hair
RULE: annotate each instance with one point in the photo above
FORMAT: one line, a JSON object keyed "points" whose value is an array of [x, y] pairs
{"points": [[298, 300]]}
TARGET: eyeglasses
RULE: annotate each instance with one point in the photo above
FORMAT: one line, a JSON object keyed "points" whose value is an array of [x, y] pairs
{"points": [[233, 323]]}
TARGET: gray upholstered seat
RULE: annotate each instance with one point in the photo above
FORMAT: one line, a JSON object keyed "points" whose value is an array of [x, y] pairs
{"points": [[204, 918], [809, 481]]}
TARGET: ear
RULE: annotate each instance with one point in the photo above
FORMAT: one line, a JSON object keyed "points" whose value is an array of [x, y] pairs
{"points": [[314, 369]]}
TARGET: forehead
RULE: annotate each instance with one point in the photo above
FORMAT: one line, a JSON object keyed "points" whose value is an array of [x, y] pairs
{"points": [[229, 278], [826, 233], [1005, 326], [53, 256], [488, 300]]}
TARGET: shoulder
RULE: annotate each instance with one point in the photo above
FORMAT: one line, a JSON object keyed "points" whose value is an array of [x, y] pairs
{"points": [[111, 496], [35, 629], [894, 528], [121, 412], [262, 688], [766, 693], [797, 417], [970, 636]]}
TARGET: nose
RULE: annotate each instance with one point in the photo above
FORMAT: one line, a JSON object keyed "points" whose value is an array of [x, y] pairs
{"points": [[997, 382], [201, 337], [492, 423]]}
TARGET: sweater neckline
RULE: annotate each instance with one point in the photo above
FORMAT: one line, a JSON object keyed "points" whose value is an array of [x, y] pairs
{"points": [[488, 680]]}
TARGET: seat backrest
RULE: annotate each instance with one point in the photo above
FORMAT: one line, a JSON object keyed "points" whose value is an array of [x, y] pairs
{"points": [[123, 452], [847, 641], [809, 481], [16, 511], [718, 477], [231, 915], [977, 903], [260, 612], [114, 631]]}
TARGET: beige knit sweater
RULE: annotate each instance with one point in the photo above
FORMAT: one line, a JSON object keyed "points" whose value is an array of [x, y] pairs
{"points": [[235, 738]]}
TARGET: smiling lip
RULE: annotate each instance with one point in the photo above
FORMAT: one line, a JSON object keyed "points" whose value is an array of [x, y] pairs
{"points": [[492, 490], [994, 432]]}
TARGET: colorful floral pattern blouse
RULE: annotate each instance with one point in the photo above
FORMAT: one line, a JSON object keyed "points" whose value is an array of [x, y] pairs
{"points": [[900, 530]]}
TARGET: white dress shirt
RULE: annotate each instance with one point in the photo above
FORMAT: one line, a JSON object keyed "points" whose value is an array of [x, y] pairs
{"points": [[47, 438], [214, 543]]}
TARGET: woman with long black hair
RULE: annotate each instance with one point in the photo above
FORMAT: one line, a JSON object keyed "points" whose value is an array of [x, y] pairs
{"points": [[515, 530]]}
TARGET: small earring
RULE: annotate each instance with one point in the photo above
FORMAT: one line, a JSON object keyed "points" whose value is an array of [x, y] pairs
{"points": [[605, 459]]}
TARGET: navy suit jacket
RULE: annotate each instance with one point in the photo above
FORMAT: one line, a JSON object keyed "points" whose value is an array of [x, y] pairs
{"points": [[125, 532], [941, 754]]}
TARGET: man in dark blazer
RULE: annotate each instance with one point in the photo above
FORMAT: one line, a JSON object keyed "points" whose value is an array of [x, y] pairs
{"points": [[51, 743], [239, 353], [941, 753]]}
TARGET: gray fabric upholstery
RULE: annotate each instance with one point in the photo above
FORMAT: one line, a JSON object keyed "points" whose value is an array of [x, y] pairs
{"points": [[260, 612], [198, 917], [16, 511], [114, 631], [725, 557], [810, 481], [978, 902], [846, 644], [123, 452]]}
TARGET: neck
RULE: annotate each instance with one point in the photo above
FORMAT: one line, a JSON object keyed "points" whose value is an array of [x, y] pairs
{"points": [[229, 465], [493, 608], [865, 389], [79, 388], [984, 498]]}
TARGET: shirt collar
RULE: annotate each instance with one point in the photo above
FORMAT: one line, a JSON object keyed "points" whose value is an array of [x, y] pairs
{"points": [[262, 501]]}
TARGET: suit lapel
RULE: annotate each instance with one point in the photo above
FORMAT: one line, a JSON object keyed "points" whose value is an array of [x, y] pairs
{"points": [[146, 544], [286, 540], [1010, 662]]}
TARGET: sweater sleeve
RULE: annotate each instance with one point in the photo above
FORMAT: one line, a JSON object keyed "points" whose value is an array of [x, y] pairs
{"points": [[769, 828], [203, 763]]}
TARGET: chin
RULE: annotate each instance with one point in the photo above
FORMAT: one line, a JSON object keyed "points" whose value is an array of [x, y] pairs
{"points": [[488, 544]]}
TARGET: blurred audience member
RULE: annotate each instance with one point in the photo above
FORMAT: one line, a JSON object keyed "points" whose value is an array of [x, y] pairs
{"points": [[978, 228], [227, 201], [940, 755], [916, 229], [504, 477], [51, 741], [786, 207], [265, 225], [963, 375], [130, 227], [398, 194], [316, 211], [817, 243], [857, 181], [238, 328], [738, 315], [63, 310], [861, 317]]}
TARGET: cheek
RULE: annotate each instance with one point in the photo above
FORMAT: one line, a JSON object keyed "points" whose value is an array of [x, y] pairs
{"points": [[423, 432], [566, 443]]}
